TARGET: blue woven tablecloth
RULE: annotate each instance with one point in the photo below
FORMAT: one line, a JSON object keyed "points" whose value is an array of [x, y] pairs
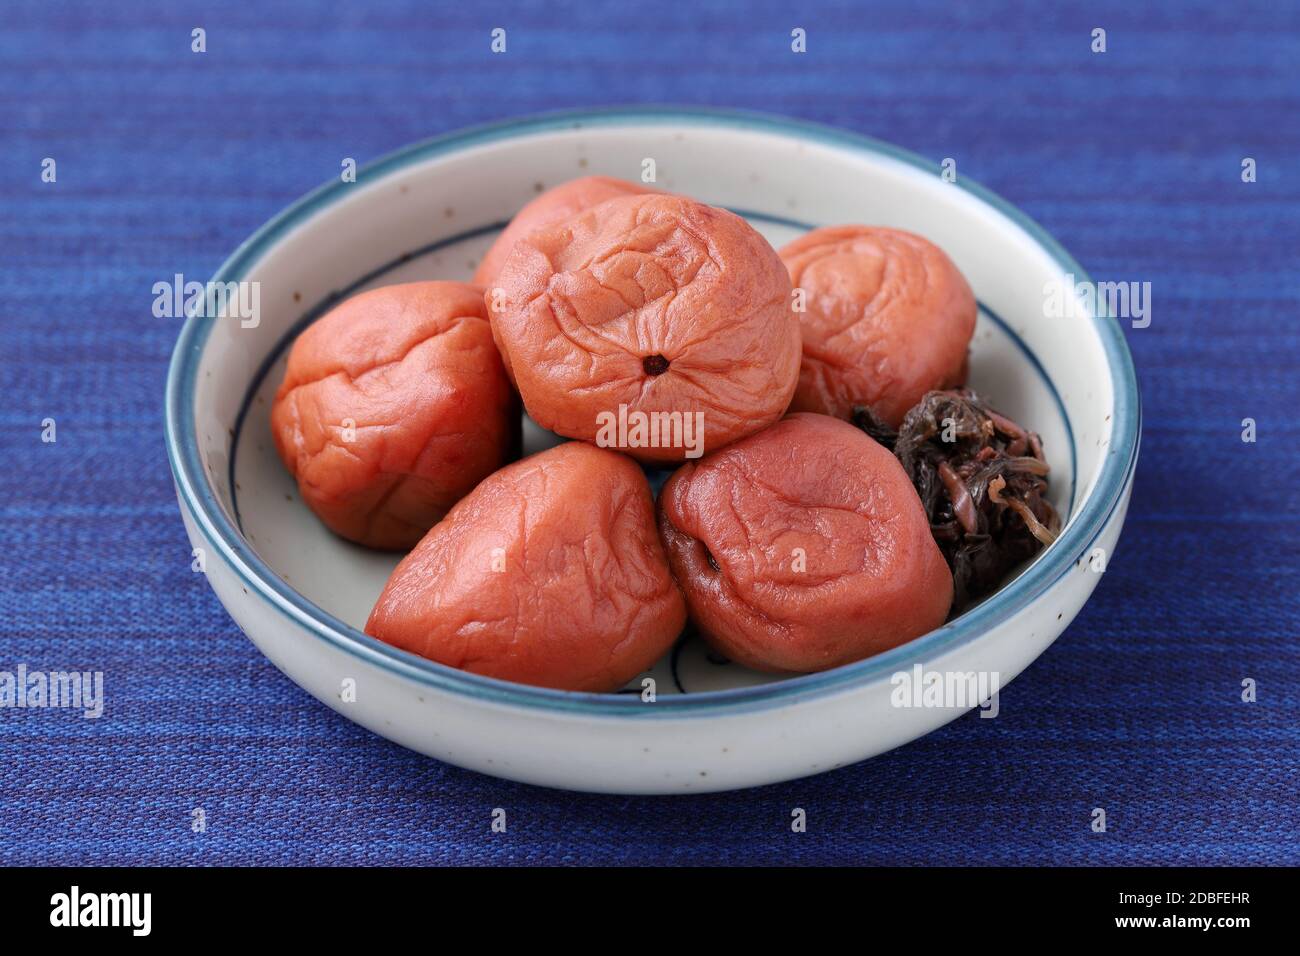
{"points": [[1132, 158]]}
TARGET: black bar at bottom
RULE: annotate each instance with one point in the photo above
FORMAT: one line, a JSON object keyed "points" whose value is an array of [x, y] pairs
{"points": [[211, 906]]}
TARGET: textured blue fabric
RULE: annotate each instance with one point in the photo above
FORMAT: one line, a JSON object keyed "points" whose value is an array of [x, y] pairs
{"points": [[167, 160]]}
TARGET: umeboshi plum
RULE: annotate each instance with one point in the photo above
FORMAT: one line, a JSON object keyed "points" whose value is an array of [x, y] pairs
{"points": [[550, 573], [803, 547], [888, 317], [393, 406], [652, 306]]}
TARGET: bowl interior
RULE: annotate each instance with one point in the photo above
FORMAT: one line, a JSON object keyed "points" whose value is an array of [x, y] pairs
{"points": [[432, 215]]}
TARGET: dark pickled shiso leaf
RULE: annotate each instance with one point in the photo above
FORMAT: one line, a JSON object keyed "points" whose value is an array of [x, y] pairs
{"points": [[984, 487], [866, 419]]}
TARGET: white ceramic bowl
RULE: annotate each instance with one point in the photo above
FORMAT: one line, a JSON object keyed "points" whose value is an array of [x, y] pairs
{"points": [[430, 211]]}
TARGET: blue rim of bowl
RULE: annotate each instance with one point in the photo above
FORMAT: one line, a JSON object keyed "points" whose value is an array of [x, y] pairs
{"points": [[1059, 560]]}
